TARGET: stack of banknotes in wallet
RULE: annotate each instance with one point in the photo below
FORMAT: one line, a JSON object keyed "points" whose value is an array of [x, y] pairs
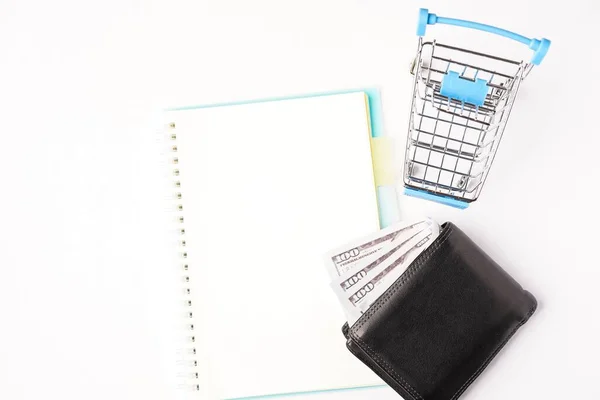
{"points": [[363, 270]]}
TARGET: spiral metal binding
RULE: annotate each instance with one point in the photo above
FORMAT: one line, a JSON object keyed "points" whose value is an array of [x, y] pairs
{"points": [[188, 354]]}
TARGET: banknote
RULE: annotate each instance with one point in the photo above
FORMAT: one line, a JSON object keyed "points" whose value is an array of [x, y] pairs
{"points": [[362, 295], [354, 276], [349, 281], [366, 249]]}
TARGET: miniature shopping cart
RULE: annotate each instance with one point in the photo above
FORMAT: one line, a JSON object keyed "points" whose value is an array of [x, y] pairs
{"points": [[461, 103]]}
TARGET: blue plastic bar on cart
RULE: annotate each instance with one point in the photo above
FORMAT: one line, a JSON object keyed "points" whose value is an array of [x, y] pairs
{"points": [[455, 87], [449, 201], [539, 46]]}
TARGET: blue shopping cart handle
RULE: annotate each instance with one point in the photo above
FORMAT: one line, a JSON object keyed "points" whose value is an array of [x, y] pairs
{"points": [[539, 46]]}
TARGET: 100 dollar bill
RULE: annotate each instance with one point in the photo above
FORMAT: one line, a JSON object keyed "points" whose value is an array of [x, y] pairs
{"points": [[366, 249], [353, 277], [358, 300]]}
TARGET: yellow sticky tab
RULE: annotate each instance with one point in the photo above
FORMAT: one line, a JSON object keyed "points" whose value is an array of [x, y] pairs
{"points": [[382, 151]]}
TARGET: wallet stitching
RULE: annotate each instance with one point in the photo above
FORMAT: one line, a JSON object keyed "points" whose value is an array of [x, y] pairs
{"points": [[379, 303], [388, 368], [381, 375], [492, 355]]}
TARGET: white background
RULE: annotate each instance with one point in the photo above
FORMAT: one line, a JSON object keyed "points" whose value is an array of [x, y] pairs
{"points": [[84, 297]]}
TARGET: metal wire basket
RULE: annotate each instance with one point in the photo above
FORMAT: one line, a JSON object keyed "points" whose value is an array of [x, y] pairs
{"points": [[461, 102]]}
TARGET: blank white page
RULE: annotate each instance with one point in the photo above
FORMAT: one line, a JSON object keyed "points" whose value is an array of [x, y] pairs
{"points": [[267, 189]]}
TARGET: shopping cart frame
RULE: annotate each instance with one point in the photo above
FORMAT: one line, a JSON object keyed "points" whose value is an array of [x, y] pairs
{"points": [[480, 103]]}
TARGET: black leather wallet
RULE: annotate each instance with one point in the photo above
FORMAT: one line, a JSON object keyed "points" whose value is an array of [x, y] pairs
{"points": [[432, 333]]}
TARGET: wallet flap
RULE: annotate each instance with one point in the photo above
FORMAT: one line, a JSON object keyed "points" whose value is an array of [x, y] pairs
{"points": [[439, 325]]}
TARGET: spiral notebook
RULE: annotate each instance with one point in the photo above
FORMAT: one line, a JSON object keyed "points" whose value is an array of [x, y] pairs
{"points": [[263, 189]]}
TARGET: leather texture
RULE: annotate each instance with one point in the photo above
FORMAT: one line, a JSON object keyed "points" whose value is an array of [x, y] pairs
{"points": [[432, 333]]}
